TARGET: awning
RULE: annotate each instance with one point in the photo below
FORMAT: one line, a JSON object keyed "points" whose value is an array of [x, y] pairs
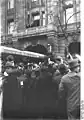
{"points": [[19, 52]]}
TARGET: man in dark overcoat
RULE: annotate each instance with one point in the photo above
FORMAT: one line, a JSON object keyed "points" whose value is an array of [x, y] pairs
{"points": [[69, 89]]}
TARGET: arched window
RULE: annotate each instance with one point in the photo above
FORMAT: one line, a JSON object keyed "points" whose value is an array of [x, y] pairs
{"points": [[10, 4]]}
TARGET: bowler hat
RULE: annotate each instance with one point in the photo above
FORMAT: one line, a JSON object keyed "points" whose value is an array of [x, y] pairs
{"points": [[73, 63]]}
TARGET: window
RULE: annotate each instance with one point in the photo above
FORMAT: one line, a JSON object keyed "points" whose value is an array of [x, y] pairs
{"points": [[44, 19], [36, 19], [10, 26], [10, 4], [28, 18], [69, 17], [28, 21]]}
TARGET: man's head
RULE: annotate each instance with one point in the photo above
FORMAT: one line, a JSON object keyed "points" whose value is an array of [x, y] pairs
{"points": [[9, 66], [21, 65], [63, 69], [74, 65], [10, 58]]}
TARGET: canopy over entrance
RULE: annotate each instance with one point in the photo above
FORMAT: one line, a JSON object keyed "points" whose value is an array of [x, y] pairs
{"points": [[37, 49]]}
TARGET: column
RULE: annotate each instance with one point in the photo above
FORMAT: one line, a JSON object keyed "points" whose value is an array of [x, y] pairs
{"points": [[30, 22], [40, 17], [6, 26], [62, 45], [30, 12], [46, 13], [57, 7], [61, 12], [52, 40], [74, 11]]}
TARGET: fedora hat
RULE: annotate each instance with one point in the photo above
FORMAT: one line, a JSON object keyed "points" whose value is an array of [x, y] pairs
{"points": [[73, 63]]}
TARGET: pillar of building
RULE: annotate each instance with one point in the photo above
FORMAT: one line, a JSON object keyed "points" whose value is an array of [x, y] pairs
{"points": [[74, 11], [40, 17], [62, 43], [52, 40], [61, 12], [46, 13]]}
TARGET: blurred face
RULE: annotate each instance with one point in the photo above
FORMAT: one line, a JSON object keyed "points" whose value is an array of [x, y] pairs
{"points": [[9, 69], [21, 67], [58, 62], [77, 69]]}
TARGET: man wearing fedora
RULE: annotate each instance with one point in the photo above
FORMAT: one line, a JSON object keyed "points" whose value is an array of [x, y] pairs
{"points": [[69, 89]]}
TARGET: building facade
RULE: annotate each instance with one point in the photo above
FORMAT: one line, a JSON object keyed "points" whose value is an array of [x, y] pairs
{"points": [[51, 23]]}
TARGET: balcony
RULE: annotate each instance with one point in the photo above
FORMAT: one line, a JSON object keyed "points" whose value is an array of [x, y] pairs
{"points": [[35, 31]]}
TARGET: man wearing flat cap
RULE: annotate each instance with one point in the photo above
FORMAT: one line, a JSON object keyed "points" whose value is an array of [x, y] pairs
{"points": [[69, 89]]}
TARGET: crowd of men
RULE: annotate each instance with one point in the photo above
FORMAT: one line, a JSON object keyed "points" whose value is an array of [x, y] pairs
{"points": [[53, 86]]}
